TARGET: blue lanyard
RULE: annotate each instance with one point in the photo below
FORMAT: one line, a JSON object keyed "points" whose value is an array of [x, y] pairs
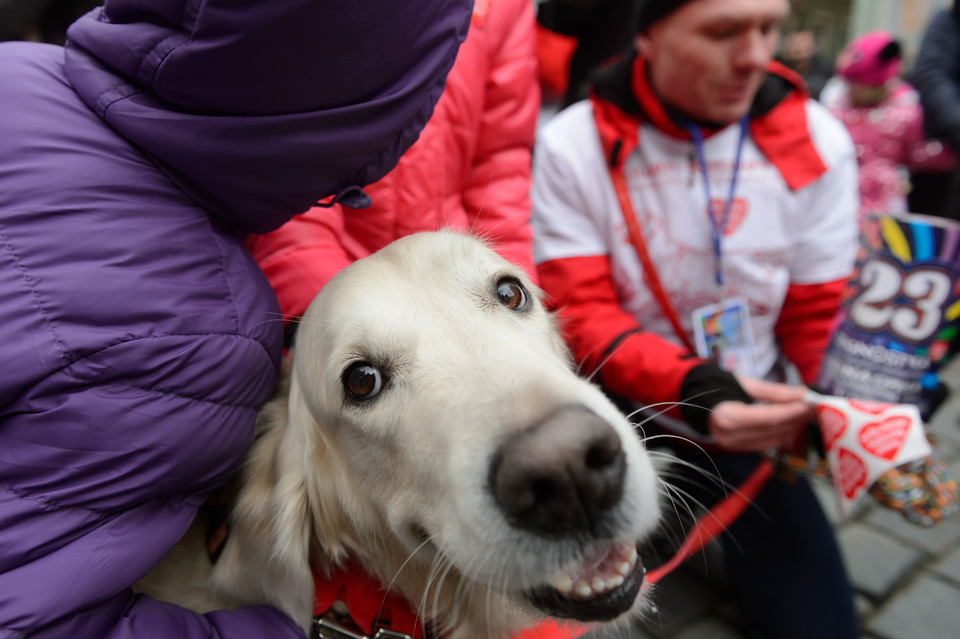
{"points": [[718, 225]]}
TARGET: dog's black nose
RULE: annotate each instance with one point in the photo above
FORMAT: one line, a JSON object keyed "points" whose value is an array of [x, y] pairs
{"points": [[560, 475]]}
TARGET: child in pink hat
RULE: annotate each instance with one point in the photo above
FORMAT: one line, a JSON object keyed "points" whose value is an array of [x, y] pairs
{"points": [[885, 120], [873, 59]]}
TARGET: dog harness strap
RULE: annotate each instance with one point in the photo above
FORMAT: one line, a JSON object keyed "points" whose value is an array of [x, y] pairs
{"points": [[366, 599], [553, 630], [326, 629], [370, 608]]}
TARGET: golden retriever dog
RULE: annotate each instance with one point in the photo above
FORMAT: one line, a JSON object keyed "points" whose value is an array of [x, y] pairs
{"points": [[435, 433]]}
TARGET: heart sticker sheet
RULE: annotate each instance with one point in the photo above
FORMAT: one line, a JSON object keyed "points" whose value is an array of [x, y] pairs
{"points": [[865, 439]]}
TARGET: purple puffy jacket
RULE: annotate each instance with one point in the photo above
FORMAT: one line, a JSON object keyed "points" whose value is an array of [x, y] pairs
{"points": [[138, 337]]}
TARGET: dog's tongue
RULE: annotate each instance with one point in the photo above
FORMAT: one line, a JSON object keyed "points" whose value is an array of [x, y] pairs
{"points": [[602, 571]]}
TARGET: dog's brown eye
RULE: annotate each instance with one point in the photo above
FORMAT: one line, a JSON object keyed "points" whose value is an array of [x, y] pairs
{"points": [[511, 294], [363, 380]]}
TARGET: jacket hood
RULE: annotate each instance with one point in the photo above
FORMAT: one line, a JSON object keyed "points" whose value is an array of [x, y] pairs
{"points": [[625, 84], [778, 123], [257, 109]]}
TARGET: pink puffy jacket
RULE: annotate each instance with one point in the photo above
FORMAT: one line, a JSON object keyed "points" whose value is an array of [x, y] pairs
{"points": [[470, 168]]}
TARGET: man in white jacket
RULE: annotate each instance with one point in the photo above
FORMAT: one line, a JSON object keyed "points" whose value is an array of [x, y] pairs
{"points": [[695, 222]]}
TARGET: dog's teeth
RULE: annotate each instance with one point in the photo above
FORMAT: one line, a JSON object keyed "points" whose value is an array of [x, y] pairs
{"points": [[623, 568], [631, 555], [563, 585], [614, 582], [599, 585], [583, 589]]}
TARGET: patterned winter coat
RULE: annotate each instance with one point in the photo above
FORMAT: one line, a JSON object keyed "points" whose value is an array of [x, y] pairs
{"points": [[890, 142], [139, 337]]}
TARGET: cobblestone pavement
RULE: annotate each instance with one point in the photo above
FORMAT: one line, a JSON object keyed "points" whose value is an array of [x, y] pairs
{"points": [[907, 578]]}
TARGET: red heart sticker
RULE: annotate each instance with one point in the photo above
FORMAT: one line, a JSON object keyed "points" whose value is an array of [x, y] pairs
{"points": [[832, 424], [852, 471], [738, 211], [884, 439], [873, 408]]}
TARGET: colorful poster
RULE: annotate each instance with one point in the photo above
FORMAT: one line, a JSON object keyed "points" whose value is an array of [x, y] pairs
{"points": [[900, 312]]}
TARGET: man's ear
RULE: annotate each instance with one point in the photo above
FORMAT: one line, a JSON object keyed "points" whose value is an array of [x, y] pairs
{"points": [[641, 42]]}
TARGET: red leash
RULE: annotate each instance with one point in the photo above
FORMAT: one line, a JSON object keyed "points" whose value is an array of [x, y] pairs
{"points": [[717, 519]]}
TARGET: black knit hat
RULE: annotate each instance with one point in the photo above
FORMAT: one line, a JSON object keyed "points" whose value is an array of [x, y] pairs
{"points": [[650, 11]]}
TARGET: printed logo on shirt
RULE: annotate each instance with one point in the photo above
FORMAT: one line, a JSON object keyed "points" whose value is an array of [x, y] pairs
{"points": [[738, 211]]}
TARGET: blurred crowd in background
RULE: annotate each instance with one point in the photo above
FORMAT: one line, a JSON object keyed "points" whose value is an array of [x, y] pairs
{"points": [[894, 91], [897, 92]]}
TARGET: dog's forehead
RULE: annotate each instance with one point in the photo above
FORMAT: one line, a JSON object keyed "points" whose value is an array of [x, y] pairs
{"points": [[440, 254], [420, 267], [438, 273]]}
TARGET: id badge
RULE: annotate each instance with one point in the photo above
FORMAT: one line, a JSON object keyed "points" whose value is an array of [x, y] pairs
{"points": [[722, 334]]}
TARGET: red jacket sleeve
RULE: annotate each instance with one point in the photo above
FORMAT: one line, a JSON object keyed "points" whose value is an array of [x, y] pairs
{"points": [[301, 256], [606, 340], [805, 323]]}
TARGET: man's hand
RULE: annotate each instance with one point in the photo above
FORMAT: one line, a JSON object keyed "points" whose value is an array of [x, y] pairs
{"points": [[774, 421]]}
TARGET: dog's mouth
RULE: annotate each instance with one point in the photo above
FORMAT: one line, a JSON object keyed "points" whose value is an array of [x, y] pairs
{"points": [[600, 587]]}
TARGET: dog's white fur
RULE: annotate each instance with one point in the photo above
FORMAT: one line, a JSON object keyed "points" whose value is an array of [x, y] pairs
{"points": [[401, 482]]}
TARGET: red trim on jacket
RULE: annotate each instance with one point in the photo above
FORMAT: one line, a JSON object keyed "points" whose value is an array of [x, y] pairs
{"points": [[647, 98], [782, 134], [804, 324], [604, 338], [619, 133], [554, 52]]}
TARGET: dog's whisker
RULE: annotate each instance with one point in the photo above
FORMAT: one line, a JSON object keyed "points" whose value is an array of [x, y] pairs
{"points": [[396, 574], [687, 441], [673, 497], [600, 365], [673, 460], [466, 589], [422, 604], [676, 495], [437, 583], [715, 478], [505, 219], [669, 406], [707, 512]]}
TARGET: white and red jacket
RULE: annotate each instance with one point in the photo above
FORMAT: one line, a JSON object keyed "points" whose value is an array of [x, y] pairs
{"points": [[470, 168], [788, 247]]}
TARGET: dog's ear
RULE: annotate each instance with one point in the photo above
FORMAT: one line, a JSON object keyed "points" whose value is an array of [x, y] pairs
{"points": [[266, 555], [290, 515]]}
